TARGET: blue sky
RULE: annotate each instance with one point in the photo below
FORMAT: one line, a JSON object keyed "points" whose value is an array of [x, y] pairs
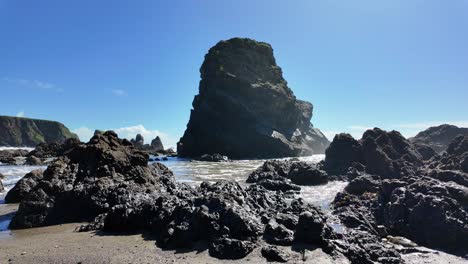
{"points": [[134, 66]]}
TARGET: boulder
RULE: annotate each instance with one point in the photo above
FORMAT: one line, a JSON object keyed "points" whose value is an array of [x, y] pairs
{"points": [[274, 254], [24, 186], [302, 173], [245, 108], [9, 156], [287, 174], [214, 158], [33, 161], [226, 248], [439, 137]]}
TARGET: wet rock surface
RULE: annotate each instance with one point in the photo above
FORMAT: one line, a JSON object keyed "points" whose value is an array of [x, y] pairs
{"points": [[213, 158], [245, 108]]}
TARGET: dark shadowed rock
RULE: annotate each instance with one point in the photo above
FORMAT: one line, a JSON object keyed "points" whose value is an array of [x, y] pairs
{"points": [[213, 158], [157, 145], [342, 153], [9, 156], [22, 132], [52, 150], [455, 158], [24, 186], [426, 151], [387, 154], [302, 173], [272, 253], [226, 248], [439, 137], [245, 109], [33, 161]]}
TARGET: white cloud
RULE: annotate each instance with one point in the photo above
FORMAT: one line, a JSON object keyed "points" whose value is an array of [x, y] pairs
{"points": [[35, 84], [20, 114], [119, 92], [84, 133], [130, 132]]}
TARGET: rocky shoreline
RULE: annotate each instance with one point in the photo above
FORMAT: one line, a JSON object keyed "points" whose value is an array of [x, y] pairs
{"points": [[393, 195]]}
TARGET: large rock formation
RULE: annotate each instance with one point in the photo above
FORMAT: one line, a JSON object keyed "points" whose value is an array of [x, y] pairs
{"points": [[20, 131], [245, 108], [157, 145], [438, 137]]}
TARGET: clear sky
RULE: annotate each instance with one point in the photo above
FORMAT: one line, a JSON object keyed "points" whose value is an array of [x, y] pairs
{"points": [[134, 66]]}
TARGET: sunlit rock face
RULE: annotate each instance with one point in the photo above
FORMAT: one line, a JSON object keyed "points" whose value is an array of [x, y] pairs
{"points": [[245, 108]]}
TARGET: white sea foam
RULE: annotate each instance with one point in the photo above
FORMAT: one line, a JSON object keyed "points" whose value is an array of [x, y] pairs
{"points": [[13, 148]]}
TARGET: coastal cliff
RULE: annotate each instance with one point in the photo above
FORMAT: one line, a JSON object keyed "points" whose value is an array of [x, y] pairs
{"points": [[20, 131]]}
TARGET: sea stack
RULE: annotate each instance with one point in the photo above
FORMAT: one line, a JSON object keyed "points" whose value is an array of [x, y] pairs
{"points": [[27, 132], [245, 108]]}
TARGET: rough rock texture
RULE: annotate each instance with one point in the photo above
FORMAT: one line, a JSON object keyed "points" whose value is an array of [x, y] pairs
{"points": [[157, 145], [91, 176], [455, 158], [245, 109], [52, 150], [286, 175], [20, 132], [24, 186], [396, 192], [9, 156], [107, 182], [387, 154], [439, 137]]}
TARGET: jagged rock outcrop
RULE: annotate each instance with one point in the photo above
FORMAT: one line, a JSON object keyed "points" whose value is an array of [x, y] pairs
{"points": [[387, 154], [245, 108], [156, 144], [394, 191], [20, 132], [439, 137], [52, 150]]}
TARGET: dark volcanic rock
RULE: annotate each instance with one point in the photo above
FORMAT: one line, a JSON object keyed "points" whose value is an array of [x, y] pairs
{"points": [[52, 150], [426, 151], [20, 131], [245, 109], [226, 248], [24, 186], [285, 174], [214, 158], [439, 137], [9, 156], [343, 152], [157, 145], [456, 157], [387, 154], [272, 253], [92, 176]]}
